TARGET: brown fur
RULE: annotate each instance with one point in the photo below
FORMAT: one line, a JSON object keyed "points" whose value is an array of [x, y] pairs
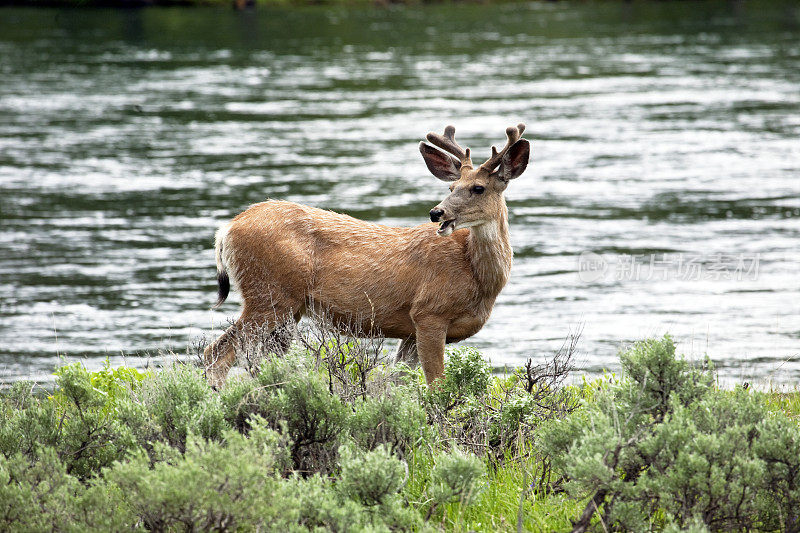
{"points": [[407, 283]]}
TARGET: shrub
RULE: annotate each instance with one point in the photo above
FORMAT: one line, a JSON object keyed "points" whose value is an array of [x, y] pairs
{"points": [[78, 421], [395, 419], [301, 447], [370, 478], [169, 406], [662, 442], [91, 436], [655, 375], [113, 384], [321, 507], [221, 486], [39, 495], [26, 423], [778, 446], [702, 463], [243, 398], [350, 358], [314, 420], [455, 478], [496, 416], [295, 400], [466, 376], [318, 508]]}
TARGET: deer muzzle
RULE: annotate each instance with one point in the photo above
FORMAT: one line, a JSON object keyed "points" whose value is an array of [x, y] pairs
{"points": [[446, 224]]}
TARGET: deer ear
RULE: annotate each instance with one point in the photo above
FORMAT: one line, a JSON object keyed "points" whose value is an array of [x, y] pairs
{"points": [[515, 161], [440, 164]]}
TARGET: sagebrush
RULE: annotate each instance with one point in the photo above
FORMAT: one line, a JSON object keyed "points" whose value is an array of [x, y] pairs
{"points": [[332, 437]]}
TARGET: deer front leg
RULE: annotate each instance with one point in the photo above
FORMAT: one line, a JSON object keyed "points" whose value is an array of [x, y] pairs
{"points": [[430, 347]]}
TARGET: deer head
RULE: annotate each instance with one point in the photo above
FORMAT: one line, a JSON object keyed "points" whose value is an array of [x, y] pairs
{"points": [[476, 194]]}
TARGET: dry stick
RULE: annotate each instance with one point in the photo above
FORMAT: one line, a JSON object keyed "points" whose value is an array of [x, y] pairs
{"points": [[586, 517]]}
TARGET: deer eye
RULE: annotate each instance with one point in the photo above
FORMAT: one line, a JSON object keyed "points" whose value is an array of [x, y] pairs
{"points": [[478, 189]]}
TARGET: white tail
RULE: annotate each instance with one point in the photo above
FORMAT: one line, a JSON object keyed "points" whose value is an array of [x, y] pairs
{"points": [[427, 285]]}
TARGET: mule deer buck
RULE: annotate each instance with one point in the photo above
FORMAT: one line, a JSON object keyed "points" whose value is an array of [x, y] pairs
{"points": [[428, 285]]}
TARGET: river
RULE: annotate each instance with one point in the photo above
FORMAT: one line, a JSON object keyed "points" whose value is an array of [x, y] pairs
{"points": [[663, 193]]}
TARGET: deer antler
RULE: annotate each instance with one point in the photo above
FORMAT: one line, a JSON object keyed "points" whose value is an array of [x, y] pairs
{"points": [[447, 142], [513, 135]]}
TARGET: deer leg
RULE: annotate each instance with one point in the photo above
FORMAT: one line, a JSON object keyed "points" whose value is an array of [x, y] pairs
{"points": [[430, 346], [281, 338], [219, 356], [407, 352], [264, 338]]}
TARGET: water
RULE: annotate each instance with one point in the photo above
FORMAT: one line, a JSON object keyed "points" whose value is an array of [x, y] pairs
{"points": [[664, 133]]}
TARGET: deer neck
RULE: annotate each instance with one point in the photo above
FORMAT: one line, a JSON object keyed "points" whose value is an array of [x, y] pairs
{"points": [[490, 253]]}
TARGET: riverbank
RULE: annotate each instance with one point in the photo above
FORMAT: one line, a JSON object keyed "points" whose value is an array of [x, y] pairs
{"points": [[330, 437]]}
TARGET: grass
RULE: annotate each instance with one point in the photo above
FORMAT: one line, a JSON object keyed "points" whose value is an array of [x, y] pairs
{"points": [[788, 402], [497, 506]]}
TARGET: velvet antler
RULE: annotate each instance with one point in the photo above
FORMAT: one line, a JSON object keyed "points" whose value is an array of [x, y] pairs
{"points": [[447, 142], [513, 135]]}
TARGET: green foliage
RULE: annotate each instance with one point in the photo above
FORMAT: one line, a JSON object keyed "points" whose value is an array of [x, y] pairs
{"points": [[778, 446], [302, 446], [320, 507], [112, 383], [456, 477], [78, 422], [300, 404], [655, 376], [466, 376], [243, 398], [496, 502], [39, 495], [370, 478], [90, 436], [702, 463], [173, 404], [661, 447], [393, 419], [27, 424], [212, 486], [496, 416]]}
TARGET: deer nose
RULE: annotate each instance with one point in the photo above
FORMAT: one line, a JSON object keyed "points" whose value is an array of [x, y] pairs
{"points": [[436, 214]]}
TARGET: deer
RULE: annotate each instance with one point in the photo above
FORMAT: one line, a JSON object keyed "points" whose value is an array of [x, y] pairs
{"points": [[427, 285]]}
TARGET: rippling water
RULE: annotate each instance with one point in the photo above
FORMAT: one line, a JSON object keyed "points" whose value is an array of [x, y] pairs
{"points": [[663, 194]]}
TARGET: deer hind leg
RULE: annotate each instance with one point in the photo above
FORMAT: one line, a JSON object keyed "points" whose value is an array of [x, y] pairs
{"points": [[407, 352], [257, 328], [218, 357], [280, 338]]}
